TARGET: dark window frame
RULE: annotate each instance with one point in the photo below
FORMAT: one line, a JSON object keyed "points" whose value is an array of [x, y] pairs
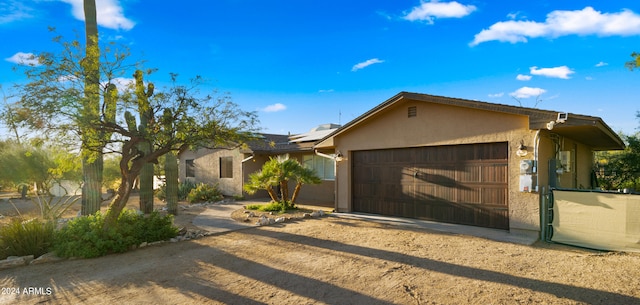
{"points": [[226, 167]]}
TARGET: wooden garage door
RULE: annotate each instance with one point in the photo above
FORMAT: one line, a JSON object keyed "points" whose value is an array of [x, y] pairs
{"points": [[464, 184]]}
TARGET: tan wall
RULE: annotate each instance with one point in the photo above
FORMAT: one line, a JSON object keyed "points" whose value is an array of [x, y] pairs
{"points": [[581, 161], [207, 169], [443, 125]]}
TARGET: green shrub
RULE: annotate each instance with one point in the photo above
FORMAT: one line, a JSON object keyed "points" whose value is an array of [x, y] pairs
{"points": [[86, 237], [20, 238], [184, 188], [271, 207], [204, 193]]}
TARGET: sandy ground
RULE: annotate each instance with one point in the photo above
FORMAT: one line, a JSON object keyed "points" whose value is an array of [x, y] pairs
{"points": [[333, 260]]}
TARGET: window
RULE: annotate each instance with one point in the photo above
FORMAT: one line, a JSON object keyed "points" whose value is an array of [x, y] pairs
{"points": [[226, 167], [324, 167], [190, 168]]}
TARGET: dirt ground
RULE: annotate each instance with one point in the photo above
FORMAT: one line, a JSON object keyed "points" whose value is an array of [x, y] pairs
{"points": [[332, 260]]}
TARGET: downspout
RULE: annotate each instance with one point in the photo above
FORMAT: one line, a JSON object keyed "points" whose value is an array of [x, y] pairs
{"points": [[536, 144]]}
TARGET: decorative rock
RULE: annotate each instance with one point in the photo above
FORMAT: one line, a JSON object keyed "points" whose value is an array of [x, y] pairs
{"points": [[280, 219], [306, 215], [263, 221], [173, 240], [14, 261], [46, 258], [271, 221], [143, 244], [315, 214]]}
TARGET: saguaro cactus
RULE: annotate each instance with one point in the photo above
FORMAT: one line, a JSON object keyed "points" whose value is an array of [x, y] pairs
{"points": [[170, 167], [146, 117]]}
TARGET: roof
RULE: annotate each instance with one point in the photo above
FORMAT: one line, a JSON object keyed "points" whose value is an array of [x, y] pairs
{"points": [[281, 144], [589, 130]]}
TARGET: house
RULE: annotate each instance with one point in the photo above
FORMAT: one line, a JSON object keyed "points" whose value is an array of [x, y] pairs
{"points": [[229, 168], [462, 161]]}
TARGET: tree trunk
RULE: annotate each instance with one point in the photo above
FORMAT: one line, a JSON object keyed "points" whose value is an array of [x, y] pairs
{"points": [[295, 193], [119, 202], [171, 178], [272, 194]]}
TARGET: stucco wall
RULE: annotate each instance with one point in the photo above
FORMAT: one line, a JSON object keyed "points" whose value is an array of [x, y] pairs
{"points": [[207, 169], [437, 125]]}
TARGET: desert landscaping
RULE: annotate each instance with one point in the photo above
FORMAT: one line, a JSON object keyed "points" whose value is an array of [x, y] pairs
{"points": [[331, 260]]}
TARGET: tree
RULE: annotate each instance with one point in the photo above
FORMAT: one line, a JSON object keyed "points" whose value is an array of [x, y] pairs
{"points": [[179, 118], [278, 172], [620, 169]]}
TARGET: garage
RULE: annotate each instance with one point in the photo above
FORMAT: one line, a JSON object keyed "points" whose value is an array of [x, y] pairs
{"points": [[462, 184]]}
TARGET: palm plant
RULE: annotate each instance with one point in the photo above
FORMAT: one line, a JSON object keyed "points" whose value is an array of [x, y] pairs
{"points": [[278, 172]]}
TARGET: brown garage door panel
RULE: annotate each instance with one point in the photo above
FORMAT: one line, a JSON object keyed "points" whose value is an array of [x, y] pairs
{"points": [[464, 184]]}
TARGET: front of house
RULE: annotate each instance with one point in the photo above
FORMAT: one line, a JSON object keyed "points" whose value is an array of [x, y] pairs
{"points": [[460, 161], [229, 168], [429, 157]]}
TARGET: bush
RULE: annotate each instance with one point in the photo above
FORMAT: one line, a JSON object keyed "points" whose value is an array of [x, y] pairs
{"points": [[85, 236], [271, 207], [20, 238], [184, 188], [204, 193]]}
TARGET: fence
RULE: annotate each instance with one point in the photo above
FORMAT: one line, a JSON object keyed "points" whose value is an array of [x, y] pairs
{"points": [[591, 219]]}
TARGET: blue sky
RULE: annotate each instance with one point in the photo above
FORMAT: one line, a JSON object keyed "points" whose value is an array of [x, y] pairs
{"points": [[303, 63]]}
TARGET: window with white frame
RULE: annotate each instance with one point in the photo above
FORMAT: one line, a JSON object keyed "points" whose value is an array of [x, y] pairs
{"points": [[324, 167]]}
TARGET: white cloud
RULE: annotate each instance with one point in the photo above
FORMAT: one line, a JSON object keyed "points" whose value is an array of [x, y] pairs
{"points": [[428, 11], [527, 92], [556, 72], [523, 77], [12, 10], [561, 23], [274, 108], [602, 64], [497, 94], [325, 90], [365, 64], [110, 14], [588, 78], [22, 58]]}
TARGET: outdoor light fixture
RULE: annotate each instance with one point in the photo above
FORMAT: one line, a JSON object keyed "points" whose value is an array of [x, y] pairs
{"points": [[339, 157], [522, 150]]}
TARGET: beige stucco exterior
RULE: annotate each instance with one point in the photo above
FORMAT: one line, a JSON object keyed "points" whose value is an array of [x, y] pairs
{"points": [[207, 165], [435, 124]]}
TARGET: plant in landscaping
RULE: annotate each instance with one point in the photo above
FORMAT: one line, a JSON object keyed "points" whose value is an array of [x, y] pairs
{"points": [[52, 208], [278, 172], [204, 193], [20, 238], [86, 237]]}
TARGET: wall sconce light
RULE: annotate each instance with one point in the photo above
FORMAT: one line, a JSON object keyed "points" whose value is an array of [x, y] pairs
{"points": [[339, 157], [522, 150]]}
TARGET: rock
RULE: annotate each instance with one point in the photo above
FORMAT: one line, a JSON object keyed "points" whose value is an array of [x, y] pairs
{"points": [[315, 214], [251, 214], [143, 244], [46, 258], [321, 213], [280, 220], [263, 221], [14, 261], [271, 221], [306, 215], [173, 240], [182, 231]]}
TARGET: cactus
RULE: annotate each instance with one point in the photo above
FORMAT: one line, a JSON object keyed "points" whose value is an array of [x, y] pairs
{"points": [[170, 167], [146, 117]]}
